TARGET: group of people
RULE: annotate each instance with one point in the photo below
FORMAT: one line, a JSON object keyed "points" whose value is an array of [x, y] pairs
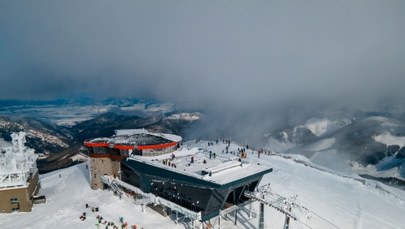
{"points": [[84, 215], [192, 161], [108, 224], [211, 154], [263, 151], [211, 143], [226, 141], [168, 162], [242, 152]]}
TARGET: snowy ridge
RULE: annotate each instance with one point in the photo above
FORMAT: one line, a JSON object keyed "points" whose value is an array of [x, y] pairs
{"points": [[41, 134], [389, 139], [185, 116], [47, 137], [337, 142], [323, 126], [383, 120]]}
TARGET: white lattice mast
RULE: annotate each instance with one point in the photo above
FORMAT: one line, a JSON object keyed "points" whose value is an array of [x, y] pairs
{"points": [[287, 206], [17, 163]]}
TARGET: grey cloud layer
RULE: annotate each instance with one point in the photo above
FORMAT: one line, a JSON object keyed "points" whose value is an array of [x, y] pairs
{"points": [[234, 54]]}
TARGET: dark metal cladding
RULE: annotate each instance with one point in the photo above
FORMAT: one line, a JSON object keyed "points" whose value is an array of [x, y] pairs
{"points": [[190, 192]]}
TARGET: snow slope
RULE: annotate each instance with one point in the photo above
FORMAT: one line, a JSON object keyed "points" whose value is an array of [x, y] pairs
{"points": [[66, 199], [334, 201], [344, 201], [320, 145], [389, 139], [347, 202], [323, 126]]}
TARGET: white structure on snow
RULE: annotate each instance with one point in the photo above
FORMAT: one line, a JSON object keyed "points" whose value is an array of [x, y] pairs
{"points": [[17, 163]]}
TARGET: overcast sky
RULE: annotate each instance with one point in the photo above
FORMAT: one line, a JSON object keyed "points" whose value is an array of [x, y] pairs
{"points": [[236, 54]]}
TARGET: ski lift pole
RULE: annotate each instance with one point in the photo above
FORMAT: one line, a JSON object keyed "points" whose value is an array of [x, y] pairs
{"points": [[287, 219], [261, 217]]}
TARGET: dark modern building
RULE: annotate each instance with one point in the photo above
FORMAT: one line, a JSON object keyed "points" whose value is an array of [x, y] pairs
{"points": [[198, 180], [196, 186]]}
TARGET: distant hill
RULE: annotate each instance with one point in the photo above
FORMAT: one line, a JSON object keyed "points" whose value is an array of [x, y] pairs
{"points": [[60, 144], [42, 136], [369, 144], [105, 124]]}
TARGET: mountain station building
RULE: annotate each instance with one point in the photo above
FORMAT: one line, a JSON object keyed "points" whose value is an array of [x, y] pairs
{"points": [[192, 181], [19, 181]]}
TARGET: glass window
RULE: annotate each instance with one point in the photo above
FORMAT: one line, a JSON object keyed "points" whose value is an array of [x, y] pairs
{"points": [[90, 150], [124, 152], [100, 150]]}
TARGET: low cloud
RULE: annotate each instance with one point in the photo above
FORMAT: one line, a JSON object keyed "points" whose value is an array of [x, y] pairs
{"points": [[240, 60]]}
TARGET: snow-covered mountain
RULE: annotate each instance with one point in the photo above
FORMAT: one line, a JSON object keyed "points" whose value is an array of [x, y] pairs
{"points": [[56, 145], [56, 129], [365, 143], [370, 145], [332, 200], [69, 112], [184, 116], [43, 137], [59, 145]]}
